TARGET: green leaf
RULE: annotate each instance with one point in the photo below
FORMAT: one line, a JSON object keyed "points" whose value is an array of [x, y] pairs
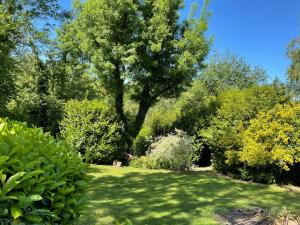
{"points": [[2, 176], [35, 197], [34, 218], [32, 174], [16, 212], [12, 182], [3, 159]]}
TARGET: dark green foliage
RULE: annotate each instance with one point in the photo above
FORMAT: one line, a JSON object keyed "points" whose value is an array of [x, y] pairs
{"points": [[92, 128], [43, 107], [41, 180], [7, 45], [27, 107], [195, 107], [24, 28]]}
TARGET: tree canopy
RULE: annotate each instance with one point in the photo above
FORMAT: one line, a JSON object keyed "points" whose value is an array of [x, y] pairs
{"points": [[142, 47], [294, 69]]}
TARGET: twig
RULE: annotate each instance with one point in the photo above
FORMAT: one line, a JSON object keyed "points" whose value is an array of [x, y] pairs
{"points": [[286, 220], [298, 220]]}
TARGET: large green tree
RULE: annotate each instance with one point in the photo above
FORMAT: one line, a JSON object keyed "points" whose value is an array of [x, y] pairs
{"points": [[7, 44], [294, 69], [24, 25], [141, 46], [226, 71]]}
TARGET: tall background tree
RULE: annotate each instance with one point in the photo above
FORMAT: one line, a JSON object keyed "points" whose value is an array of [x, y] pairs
{"points": [[141, 47], [226, 71], [8, 30], [37, 75], [294, 69], [24, 33]]}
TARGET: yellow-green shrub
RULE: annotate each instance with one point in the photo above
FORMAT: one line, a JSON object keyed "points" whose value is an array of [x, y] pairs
{"points": [[237, 108], [271, 143], [41, 180]]}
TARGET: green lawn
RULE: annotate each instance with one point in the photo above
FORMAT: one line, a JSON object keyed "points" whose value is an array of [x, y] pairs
{"points": [[150, 197]]}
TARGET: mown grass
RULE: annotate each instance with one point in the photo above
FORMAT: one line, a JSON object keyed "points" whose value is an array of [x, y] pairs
{"points": [[149, 197]]}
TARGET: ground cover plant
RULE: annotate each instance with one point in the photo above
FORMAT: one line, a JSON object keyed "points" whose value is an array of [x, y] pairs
{"points": [[156, 197]]}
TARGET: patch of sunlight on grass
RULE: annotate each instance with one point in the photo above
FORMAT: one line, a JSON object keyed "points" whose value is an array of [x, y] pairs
{"points": [[158, 197]]}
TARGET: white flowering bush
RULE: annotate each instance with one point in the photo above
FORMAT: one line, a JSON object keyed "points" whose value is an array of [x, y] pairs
{"points": [[173, 152]]}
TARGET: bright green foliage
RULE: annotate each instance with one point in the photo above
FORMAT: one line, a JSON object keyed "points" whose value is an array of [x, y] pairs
{"points": [[271, 143], [41, 180], [92, 128], [294, 69], [236, 109], [142, 45], [127, 222], [142, 162], [229, 71]]}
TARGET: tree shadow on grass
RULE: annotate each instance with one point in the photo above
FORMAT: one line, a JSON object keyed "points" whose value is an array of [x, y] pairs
{"points": [[171, 198]]}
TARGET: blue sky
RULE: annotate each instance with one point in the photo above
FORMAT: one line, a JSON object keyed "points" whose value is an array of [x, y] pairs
{"points": [[257, 30]]}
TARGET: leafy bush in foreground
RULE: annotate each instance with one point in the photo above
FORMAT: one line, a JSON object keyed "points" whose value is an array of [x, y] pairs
{"points": [[41, 180], [92, 128]]}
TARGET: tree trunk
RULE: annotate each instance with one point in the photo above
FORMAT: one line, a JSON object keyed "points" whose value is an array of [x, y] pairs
{"points": [[119, 97], [42, 88], [144, 105], [43, 92]]}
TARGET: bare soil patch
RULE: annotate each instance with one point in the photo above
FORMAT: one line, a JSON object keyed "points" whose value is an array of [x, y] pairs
{"points": [[255, 216]]}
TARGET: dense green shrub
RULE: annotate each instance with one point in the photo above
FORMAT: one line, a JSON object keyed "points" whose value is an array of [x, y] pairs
{"points": [[195, 107], [41, 180], [271, 144], [92, 128], [237, 108], [173, 152], [27, 107]]}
